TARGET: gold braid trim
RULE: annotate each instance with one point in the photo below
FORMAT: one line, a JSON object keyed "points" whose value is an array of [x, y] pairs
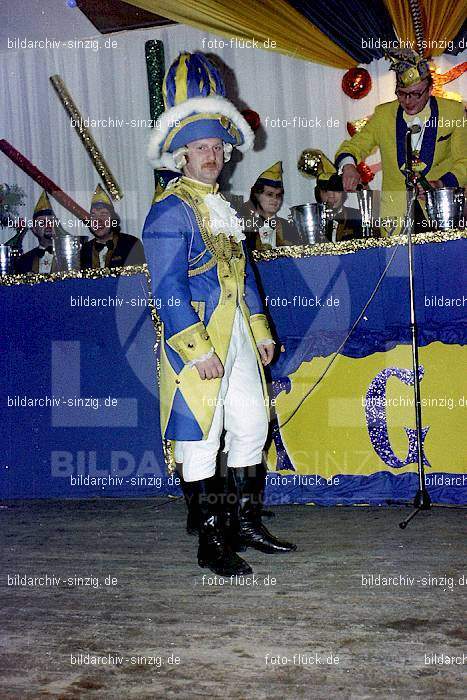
{"points": [[220, 247], [168, 447], [197, 258], [203, 268]]}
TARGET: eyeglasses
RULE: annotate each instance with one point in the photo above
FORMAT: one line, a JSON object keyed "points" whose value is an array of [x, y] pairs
{"points": [[416, 95]]}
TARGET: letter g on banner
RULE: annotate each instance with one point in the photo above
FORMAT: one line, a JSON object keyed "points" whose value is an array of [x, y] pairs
{"points": [[376, 419]]}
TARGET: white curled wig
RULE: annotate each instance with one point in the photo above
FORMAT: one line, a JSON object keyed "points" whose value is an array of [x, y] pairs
{"points": [[177, 160]]}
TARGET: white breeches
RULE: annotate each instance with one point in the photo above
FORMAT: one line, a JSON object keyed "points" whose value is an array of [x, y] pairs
{"points": [[240, 409]]}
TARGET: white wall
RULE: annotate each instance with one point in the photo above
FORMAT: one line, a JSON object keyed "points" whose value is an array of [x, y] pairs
{"points": [[111, 83]]}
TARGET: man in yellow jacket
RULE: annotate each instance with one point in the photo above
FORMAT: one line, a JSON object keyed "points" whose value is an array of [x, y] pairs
{"points": [[439, 146]]}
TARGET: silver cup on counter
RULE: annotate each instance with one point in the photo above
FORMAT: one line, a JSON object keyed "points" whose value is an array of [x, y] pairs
{"points": [[365, 204], [6, 260], [311, 221], [445, 207], [67, 252]]}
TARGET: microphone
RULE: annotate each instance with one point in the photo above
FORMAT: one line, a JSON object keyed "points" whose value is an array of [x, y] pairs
{"points": [[408, 152], [414, 129]]}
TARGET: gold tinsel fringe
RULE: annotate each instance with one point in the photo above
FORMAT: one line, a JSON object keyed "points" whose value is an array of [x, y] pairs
{"points": [[90, 274], [345, 247]]}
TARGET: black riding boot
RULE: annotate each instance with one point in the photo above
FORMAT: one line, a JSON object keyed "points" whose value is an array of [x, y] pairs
{"points": [[214, 551], [260, 474], [232, 526], [231, 514], [191, 494], [251, 531]]}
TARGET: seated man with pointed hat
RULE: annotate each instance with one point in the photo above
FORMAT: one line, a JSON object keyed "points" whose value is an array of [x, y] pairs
{"points": [[215, 336], [439, 139], [346, 222], [262, 227], [40, 259], [109, 247]]}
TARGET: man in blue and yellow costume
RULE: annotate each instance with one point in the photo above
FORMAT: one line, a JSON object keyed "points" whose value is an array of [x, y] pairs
{"points": [[439, 148], [215, 335]]}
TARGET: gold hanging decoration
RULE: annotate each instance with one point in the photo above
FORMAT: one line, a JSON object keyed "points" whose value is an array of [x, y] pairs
{"points": [[86, 138]]}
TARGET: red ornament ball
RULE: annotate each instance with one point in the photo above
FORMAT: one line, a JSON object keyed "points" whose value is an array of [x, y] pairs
{"points": [[356, 83], [252, 118]]}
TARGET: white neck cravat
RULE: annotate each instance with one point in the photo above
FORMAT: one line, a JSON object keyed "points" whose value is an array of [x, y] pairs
{"points": [[102, 256]]}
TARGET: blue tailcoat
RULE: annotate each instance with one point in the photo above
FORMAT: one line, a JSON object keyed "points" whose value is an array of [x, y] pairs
{"points": [[198, 280]]}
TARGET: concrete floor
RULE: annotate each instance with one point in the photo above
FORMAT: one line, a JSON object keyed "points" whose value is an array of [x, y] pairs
{"points": [[231, 641]]}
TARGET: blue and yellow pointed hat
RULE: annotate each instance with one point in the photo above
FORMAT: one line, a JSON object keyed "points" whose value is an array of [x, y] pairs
{"points": [[101, 198], [272, 176], [43, 206], [195, 108]]}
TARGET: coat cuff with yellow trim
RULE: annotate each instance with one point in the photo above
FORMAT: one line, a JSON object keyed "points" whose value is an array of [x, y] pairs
{"points": [[191, 342], [260, 327]]}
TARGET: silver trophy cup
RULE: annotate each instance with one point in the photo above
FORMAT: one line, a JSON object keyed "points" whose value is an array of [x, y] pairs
{"points": [[445, 207], [365, 204], [311, 221], [67, 252], [6, 260]]}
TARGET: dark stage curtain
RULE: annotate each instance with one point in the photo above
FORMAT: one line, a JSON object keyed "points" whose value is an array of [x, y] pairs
{"points": [[350, 24]]}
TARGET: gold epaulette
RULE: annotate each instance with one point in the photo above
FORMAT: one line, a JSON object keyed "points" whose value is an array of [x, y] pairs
{"points": [[161, 194]]}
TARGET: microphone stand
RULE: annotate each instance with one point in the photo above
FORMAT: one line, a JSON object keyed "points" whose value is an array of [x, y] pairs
{"points": [[422, 499]]}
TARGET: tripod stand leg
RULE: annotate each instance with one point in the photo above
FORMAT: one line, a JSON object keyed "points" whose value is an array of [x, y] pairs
{"points": [[405, 522]]}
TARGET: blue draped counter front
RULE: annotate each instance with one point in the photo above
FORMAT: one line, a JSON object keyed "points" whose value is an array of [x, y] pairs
{"points": [[79, 392]]}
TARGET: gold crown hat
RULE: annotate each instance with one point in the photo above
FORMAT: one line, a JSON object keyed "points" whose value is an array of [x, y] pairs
{"points": [[272, 176], [195, 108], [410, 67], [101, 198], [43, 206]]}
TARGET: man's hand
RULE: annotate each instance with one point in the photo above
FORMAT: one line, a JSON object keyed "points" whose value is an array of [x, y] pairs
{"points": [[210, 369], [266, 353], [350, 177], [437, 184]]}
